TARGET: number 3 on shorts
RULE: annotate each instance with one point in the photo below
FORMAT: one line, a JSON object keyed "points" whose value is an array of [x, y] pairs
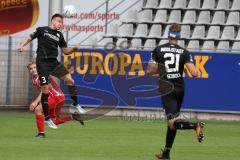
{"points": [[44, 80]]}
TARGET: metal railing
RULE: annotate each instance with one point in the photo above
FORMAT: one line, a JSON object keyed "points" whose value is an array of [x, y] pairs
{"points": [[15, 83]]}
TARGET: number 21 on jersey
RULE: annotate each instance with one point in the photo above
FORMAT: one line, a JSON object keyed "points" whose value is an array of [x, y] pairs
{"points": [[172, 64]]}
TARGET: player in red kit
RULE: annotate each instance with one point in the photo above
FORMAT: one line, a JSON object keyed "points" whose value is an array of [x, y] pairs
{"points": [[55, 101]]}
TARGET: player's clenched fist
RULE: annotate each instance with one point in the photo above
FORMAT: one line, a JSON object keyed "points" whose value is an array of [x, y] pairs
{"points": [[20, 49], [33, 106], [23, 44]]}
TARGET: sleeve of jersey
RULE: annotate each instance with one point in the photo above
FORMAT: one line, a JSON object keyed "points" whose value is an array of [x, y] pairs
{"points": [[35, 34], [62, 42], [154, 56], [188, 57]]}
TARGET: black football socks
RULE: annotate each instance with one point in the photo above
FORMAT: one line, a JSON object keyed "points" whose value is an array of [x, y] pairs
{"points": [[44, 101], [73, 92], [171, 134], [183, 124]]}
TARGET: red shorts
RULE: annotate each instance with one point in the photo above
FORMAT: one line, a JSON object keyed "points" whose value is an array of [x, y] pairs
{"points": [[55, 103]]}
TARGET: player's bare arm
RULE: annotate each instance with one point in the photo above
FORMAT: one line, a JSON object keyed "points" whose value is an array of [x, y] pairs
{"points": [[69, 50], [35, 103], [24, 43], [152, 68], [193, 70]]}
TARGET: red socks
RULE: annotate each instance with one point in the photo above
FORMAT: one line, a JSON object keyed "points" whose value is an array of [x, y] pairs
{"points": [[40, 123], [62, 119], [59, 120]]}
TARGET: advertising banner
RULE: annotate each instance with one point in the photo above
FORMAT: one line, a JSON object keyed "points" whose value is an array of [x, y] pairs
{"points": [[119, 78]]}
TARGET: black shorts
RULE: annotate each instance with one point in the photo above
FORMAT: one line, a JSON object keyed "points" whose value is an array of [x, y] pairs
{"points": [[46, 67], [172, 102]]}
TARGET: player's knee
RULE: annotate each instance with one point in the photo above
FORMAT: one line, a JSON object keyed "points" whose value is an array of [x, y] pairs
{"points": [[69, 81], [44, 89], [38, 110], [171, 123]]}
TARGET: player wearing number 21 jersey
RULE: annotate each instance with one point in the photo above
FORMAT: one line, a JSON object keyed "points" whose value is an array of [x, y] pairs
{"points": [[168, 60], [173, 57]]}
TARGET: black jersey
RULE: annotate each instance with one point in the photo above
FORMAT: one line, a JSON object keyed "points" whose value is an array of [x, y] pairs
{"points": [[171, 59], [48, 42]]}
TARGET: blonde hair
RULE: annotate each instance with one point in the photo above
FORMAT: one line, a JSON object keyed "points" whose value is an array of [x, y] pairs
{"points": [[29, 64]]}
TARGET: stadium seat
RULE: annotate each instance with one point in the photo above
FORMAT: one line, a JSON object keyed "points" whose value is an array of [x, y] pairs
{"points": [[189, 17], [193, 45], [219, 17], [163, 41], [104, 41], [199, 32], [151, 4], [165, 4], [236, 47], [223, 4], [238, 35], [233, 18], [112, 30], [150, 44], [126, 30], [165, 34], [194, 4], [131, 16], [175, 16], [185, 31], [121, 42], [204, 17], [208, 4], [223, 46], [208, 24], [136, 44], [141, 31], [181, 4], [213, 32], [228, 32], [208, 46], [161, 16], [145, 16], [156, 31], [181, 43], [236, 5]]}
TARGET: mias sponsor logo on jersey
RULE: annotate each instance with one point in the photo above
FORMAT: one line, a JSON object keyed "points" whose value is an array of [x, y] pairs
{"points": [[51, 36]]}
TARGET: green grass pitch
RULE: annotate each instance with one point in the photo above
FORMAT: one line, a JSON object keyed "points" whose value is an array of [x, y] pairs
{"points": [[113, 139]]}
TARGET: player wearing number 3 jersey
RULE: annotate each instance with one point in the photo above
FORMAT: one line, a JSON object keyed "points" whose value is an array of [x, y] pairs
{"points": [[55, 100], [168, 61], [50, 40]]}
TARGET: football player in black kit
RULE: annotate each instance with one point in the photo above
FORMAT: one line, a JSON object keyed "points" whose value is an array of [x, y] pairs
{"points": [[168, 61], [49, 40]]}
